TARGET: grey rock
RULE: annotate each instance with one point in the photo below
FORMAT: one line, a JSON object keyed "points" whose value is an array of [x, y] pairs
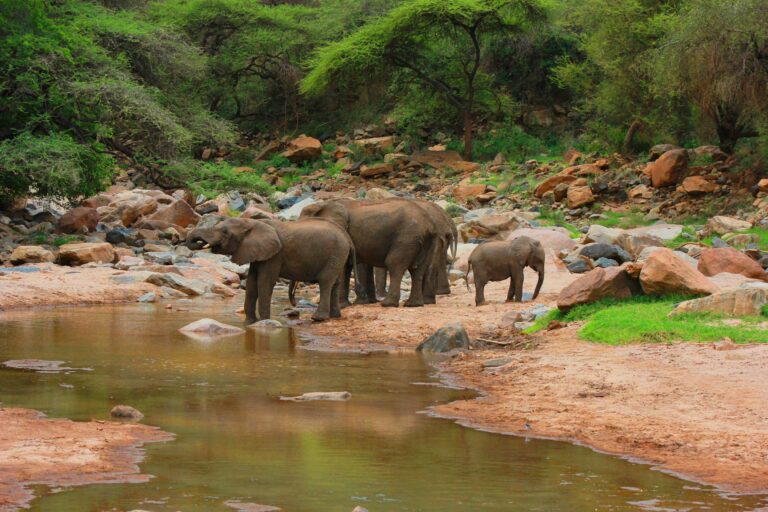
{"points": [[294, 211], [495, 363], [126, 412], [579, 267], [266, 324], [719, 243], [147, 297], [606, 263], [445, 339], [177, 282], [332, 396], [161, 258]]}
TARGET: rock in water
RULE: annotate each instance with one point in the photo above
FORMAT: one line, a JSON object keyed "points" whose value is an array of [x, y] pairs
{"points": [[266, 324], [126, 412], [209, 327], [445, 339], [332, 396]]}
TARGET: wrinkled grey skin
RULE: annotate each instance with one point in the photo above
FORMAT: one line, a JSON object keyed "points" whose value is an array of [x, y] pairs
{"points": [[497, 261], [396, 235], [311, 250], [436, 282]]}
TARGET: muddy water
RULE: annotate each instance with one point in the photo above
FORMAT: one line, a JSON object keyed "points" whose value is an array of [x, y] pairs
{"points": [[237, 442]]}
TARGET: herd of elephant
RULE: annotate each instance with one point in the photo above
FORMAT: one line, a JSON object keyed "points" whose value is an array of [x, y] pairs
{"points": [[372, 238]]}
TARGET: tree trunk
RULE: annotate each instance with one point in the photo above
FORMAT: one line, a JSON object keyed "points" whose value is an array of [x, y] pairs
{"points": [[635, 127], [468, 131]]}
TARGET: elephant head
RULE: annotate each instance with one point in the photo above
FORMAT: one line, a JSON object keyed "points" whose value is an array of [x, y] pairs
{"points": [[530, 253], [246, 240]]}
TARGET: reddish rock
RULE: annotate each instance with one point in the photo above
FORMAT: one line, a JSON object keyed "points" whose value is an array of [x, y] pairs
{"points": [[664, 273], [598, 284], [580, 196], [762, 185], [303, 149], [178, 213], [550, 183], [82, 253], [31, 254], [436, 159], [78, 220], [376, 170], [465, 192], [640, 193], [697, 185], [582, 170], [464, 166], [739, 302], [635, 243], [376, 145], [726, 259], [667, 170]]}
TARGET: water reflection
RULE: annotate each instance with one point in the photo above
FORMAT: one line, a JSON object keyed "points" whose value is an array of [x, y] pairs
{"points": [[237, 441]]}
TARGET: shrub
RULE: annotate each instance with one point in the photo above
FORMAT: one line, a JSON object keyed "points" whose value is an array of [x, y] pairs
{"points": [[212, 179]]}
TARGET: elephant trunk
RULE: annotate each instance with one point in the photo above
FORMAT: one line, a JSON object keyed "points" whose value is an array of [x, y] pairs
{"points": [[540, 271]]}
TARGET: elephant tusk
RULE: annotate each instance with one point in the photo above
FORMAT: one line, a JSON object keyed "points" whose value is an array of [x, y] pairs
{"points": [[207, 246]]}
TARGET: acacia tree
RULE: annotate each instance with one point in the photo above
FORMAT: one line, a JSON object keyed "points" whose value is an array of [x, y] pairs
{"points": [[716, 57], [440, 43]]}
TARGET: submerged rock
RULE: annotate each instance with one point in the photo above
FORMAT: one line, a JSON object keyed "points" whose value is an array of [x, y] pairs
{"points": [[126, 412], [332, 396], [210, 327], [445, 339], [267, 324]]}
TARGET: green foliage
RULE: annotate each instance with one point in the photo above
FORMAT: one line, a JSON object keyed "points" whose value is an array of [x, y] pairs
{"points": [[624, 220], [51, 165], [645, 319], [212, 179]]}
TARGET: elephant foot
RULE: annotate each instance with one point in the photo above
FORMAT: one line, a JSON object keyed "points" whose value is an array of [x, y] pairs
{"points": [[251, 320], [322, 317], [443, 291], [345, 304], [414, 304], [512, 300], [365, 301], [430, 300], [481, 303], [386, 303], [335, 314]]}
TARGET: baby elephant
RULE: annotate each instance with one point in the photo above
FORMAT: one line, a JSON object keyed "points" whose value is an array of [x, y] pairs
{"points": [[497, 261]]}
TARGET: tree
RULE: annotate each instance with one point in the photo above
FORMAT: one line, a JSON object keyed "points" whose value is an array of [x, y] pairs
{"points": [[440, 43], [716, 57]]}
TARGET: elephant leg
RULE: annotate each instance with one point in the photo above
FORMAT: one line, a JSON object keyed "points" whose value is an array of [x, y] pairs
{"points": [[511, 291], [429, 285], [417, 295], [393, 294], [266, 283], [366, 293], [370, 285], [344, 287], [380, 277], [517, 279], [443, 284], [480, 282], [335, 309], [323, 311], [251, 294]]}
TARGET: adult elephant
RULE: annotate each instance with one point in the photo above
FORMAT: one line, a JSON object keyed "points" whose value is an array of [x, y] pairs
{"points": [[497, 261], [312, 250], [397, 235], [436, 282]]}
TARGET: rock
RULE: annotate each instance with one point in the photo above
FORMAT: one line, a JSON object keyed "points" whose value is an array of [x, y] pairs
{"points": [[580, 196], [378, 193], [599, 284], [31, 254], [640, 193], [659, 149], [597, 251], [635, 243], [721, 225], [126, 412], [128, 207], [716, 261], [667, 170], [178, 213], [555, 238], [294, 211], [177, 282], [376, 145], [78, 220], [497, 362], [665, 232], [493, 226], [582, 170], [602, 235], [160, 258], [724, 344], [579, 266], [549, 184], [697, 185], [147, 298], [445, 339], [266, 324], [333, 396], [82, 253], [739, 302], [211, 328], [303, 149], [665, 273], [465, 192], [370, 171], [436, 159], [713, 152], [762, 185], [606, 263], [359, 509]]}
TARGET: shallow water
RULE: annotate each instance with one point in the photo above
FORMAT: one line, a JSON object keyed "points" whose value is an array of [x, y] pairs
{"points": [[237, 441]]}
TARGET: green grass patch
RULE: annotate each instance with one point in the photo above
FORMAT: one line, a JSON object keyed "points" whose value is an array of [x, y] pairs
{"points": [[760, 234], [624, 220], [644, 319], [550, 217]]}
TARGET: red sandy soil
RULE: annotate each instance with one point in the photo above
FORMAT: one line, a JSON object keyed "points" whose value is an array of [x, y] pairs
{"points": [[35, 450], [64, 286], [685, 408]]}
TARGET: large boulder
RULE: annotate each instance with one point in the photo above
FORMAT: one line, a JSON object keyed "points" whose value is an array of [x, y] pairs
{"points": [[555, 238], [665, 232], [721, 225], [659, 149], [373, 170], [445, 339], [599, 284], [31, 254], [549, 184], [303, 149], [580, 196], [603, 235], [128, 207], [697, 185], [376, 194], [726, 259], [78, 220], [493, 226], [178, 213], [739, 302], [665, 273], [668, 169], [597, 251], [376, 145], [185, 285], [82, 253], [634, 243], [437, 159], [466, 192], [294, 211]]}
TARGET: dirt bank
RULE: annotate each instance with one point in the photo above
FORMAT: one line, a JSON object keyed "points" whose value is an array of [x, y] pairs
{"points": [[685, 408], [54, 285], [57, 452]]}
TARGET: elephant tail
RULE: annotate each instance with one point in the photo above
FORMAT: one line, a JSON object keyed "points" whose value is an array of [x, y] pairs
{"points": [[466, 277], [292, 292]]}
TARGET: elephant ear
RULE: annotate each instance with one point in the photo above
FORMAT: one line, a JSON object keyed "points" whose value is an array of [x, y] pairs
{"points": [[260, 243]]}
